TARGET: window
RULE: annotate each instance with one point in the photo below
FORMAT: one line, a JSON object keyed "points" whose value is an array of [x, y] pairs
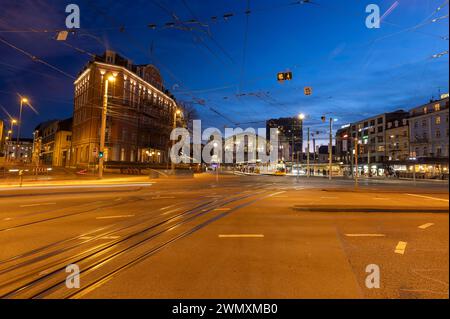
{"points": [[372, 122], [438, 151], [437, 107], [438, 120], [424, 123], [389, 125], [380, 129], [438, 133], [425, 110], [380, 120], [416, 124], [396, 123], [380, 139], [405, 121]]}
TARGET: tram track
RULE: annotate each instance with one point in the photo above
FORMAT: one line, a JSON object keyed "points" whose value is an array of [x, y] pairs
{"points": [[41, 281]]}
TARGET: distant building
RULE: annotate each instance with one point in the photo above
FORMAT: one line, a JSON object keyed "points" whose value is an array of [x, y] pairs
{"points": [[372, 137], [324, 155], [429, 130], [397, 140], [20, 152], [290, 137], [344, 153], [248, 145], [2, 138], [52, 142], [141, 114]]}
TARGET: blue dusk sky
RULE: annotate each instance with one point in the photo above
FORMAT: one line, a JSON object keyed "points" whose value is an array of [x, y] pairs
{"points": [[227, 67]]}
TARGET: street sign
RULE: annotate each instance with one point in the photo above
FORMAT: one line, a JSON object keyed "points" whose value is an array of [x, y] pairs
{"points": [[284, 76], [308, 90]]}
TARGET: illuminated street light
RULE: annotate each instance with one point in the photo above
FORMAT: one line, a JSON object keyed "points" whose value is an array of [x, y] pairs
{"points": [[301, 116]]}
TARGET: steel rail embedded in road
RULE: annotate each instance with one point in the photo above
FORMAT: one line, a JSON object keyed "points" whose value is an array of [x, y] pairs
{"points": [[32, 285]]}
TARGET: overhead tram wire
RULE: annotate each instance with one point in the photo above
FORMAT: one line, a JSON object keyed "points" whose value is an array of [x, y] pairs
{"points": [[221, 48], [169, 72], [244, 53], [36, 59]]}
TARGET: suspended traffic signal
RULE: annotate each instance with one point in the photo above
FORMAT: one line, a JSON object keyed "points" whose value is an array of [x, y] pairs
{"points": [[284, 76]]}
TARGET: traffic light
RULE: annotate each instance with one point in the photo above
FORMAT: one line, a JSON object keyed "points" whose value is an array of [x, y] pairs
{"points": [[284, 76], [308, 91], [100, 155]]}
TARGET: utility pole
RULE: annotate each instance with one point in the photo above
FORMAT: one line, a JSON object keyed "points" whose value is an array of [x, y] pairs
{"points": [[307, 157], [19, 125], [101, 151], [172, 163], [356, 163], [103, 131], [330, 150]]}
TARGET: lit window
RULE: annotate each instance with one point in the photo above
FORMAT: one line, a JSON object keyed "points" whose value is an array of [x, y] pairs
{"points": [[437, 107], [438, 120]]}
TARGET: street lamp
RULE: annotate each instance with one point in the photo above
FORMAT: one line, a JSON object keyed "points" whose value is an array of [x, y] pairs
{"points": [[112, 79], [23, 100], [330, 146], [175, 114]]}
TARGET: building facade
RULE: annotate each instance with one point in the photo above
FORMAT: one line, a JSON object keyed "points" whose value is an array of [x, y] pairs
{"points": [[141, 114], [290, 137], [372, 137], [397, 140], [429, 130], [52, 143], [344, 145], [2, 138], [19, 152]]}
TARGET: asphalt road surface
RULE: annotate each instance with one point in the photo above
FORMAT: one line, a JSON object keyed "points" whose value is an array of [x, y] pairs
{"points": [[238, 237]]}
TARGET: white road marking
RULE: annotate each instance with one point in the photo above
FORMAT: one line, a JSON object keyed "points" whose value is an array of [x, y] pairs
{"points": [[429, 197], [242, 236], [365, 235], [401, 247], [164, 197], [34, 205], [111, 217], [167, 207], [425, 226], [275, 194]]}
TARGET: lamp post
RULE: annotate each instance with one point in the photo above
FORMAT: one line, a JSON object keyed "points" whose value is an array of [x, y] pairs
{"points": [[307, 158], [356, 162], [101, 150], [23, 100], [172, 163], [301, 117]]}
